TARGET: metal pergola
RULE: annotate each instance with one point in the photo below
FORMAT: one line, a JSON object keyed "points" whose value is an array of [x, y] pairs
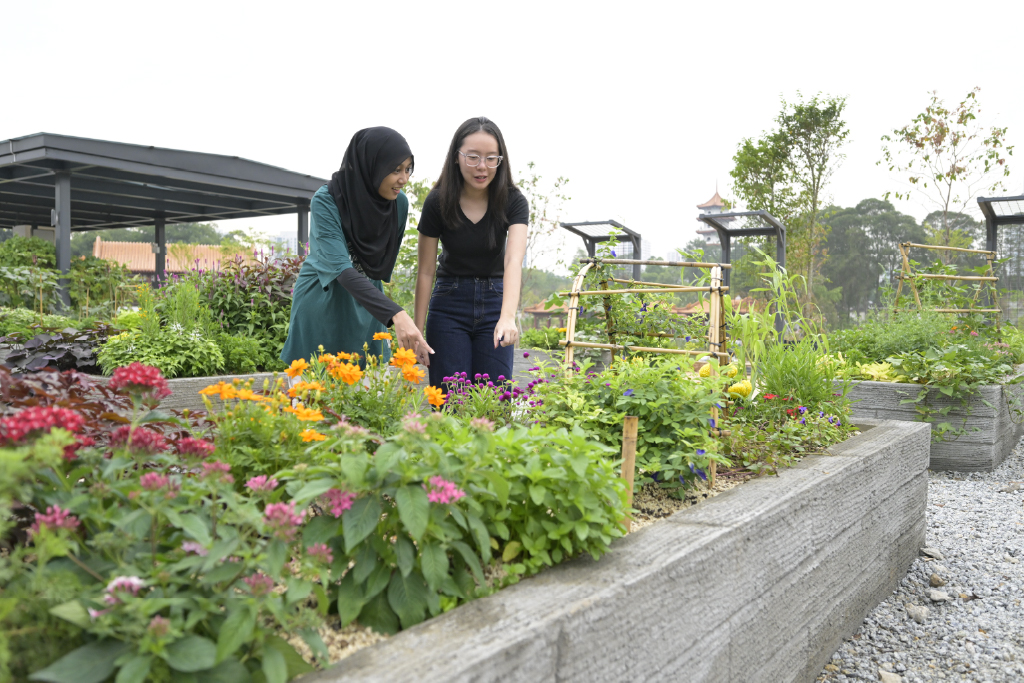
{"points": [[592, 232], [1000, 211], [771, 228], [75, 184]]}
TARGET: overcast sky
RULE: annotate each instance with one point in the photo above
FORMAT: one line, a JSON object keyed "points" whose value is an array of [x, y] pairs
{"points": [[641, 105]]}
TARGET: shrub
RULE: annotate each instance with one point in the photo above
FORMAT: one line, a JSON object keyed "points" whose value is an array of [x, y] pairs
{"points": [[67, 349], [177, 353], [546, 338], [21, 320], [27, 251], [245, 355]]}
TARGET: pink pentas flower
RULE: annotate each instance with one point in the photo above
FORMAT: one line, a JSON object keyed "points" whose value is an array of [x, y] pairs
{"points": [[38, 420], [194, 448], [282, 520], [339, 501], [159, 626], [262, 484], [142, 440], [441, 490], [144, 380], [413, 425], [54, 518], [196, 548], [482, 423], [218, 470], [973, 333], [121, 587], [320, 553], [259, 583], [152, 481], [95, 614]]}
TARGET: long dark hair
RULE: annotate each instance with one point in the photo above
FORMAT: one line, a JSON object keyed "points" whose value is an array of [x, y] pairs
{"points": [[449, 185]]}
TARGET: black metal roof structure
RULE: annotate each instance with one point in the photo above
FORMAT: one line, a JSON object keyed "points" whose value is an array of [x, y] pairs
{"points": [[592, 234], [76, 184], [1000, 211], [771, 228]]}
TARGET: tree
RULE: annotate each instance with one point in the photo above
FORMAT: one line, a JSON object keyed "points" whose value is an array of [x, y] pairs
{"points": [[786, 172], [545, 213], [402, 287], [948, 158]]}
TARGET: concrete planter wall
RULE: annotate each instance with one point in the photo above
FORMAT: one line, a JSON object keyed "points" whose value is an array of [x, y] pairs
{"points": [[999, 425], [185, 390], [760, 583]]}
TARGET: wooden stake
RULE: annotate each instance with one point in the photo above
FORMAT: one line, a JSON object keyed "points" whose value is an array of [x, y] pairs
{"points": [[629, 430], [574, 303]]}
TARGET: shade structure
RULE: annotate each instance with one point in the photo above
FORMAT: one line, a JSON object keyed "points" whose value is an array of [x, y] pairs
{"points": [[593, 232], [769, 227], [74, 184], [1000, 211]]}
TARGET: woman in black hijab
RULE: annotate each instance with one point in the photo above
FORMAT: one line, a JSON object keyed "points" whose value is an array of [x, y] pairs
{"points": [[357, 222]]}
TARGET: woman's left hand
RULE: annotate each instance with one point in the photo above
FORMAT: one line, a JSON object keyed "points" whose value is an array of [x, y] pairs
{"points": [[505, 332]]}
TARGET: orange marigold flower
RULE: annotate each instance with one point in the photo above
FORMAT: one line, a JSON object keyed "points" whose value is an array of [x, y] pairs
{"points": [[311, 435], [327, 358], [224, 391], [434, 396], [297, 368], [349, 373], [378, 336], [250, 395], [412, 373], [403, 357], [341, 355], [305, 414], [302, 387]]}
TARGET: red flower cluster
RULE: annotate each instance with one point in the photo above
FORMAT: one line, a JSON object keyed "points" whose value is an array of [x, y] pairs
{"points": [[769, 397], [142, 440], [194, 448], [140, 379], [40, 419]]}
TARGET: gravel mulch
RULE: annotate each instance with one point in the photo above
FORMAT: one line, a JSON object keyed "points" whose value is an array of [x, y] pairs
{"points": [[958, 615]]}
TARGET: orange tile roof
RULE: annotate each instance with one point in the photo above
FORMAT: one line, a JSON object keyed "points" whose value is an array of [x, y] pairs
{"points": [[539, 308], [139, 256], [742, 305], [713, 202]]}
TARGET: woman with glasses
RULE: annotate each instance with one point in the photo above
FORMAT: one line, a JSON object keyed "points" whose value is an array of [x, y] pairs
{"points": [[480, 217], [357, 222]]}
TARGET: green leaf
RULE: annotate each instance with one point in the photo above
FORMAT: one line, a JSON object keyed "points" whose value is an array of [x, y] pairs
{"points": [[350, 600], [360, 520], [298, 589], [471, 559], [500, 484], [366, 562], [512, 549], [320, 530], [191, 653], [483, 539], [135, 669], [378, 580], [274, 667], [92, 663], [294, 662], [74, 612], [406, 554], [312, 489], [407, 595], [413, 509], [378, 615], [312, 638], [228, 671], [434, 562], [195, 527], [236, 631], [277, 553], [537, 494], [385, 458]]}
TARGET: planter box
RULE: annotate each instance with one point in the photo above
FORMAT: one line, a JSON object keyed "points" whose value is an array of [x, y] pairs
{"points": [[999, 427], [185, 390], [760, 583]]}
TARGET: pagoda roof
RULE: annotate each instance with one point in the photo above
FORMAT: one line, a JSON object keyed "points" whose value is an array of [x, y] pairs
{"points": [[712, 203]]}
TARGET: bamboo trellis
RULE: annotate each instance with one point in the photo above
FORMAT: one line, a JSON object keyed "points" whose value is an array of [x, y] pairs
{"points": [[907, 275], [717, 338]]}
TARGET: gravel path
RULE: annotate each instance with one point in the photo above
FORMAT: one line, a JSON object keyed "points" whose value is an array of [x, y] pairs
{"points": [[973, 591]]}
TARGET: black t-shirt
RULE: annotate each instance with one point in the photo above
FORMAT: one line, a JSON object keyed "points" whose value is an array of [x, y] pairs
{"points": [[467, 249]]}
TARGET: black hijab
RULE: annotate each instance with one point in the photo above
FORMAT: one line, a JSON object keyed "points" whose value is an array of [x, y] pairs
{"points": [[369, 221]]}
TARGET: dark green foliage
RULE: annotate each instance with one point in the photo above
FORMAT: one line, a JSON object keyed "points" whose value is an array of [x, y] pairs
{"points": [[67, 349], [27, 251], [880, 337], [541, 338]]}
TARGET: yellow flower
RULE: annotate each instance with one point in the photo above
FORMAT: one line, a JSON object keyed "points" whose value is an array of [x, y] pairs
{"points": [[412, 374], [305, 414], [378, 336], [297, 368], [742, 388], [705, 370], [434, 396], [403, 357], [563, 330], [349, 373], [730, 371], [310, 435]]}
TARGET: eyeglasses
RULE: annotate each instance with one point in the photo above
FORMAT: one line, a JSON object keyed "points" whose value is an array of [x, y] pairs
{"points": [[473, 160]]}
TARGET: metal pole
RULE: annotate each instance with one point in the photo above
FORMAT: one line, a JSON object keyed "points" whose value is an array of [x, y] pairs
{"points": [[639, 254], [160, 249], [62, 225], [990, 234], [725, 240], [303, 232]]}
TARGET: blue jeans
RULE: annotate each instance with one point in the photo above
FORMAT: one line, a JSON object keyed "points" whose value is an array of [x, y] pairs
{"points": [[460, 328]]}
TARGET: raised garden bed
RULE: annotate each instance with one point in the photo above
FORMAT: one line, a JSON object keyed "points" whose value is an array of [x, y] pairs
{"points": [[992, 429], [761, 582], [185, 390]]}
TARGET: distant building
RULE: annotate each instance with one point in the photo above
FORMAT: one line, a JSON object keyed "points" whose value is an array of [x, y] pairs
{"points": [[714, 205], [139, 258]]}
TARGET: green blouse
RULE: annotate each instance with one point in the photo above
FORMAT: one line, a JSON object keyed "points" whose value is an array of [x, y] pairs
{"points": [[323, 312]]}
